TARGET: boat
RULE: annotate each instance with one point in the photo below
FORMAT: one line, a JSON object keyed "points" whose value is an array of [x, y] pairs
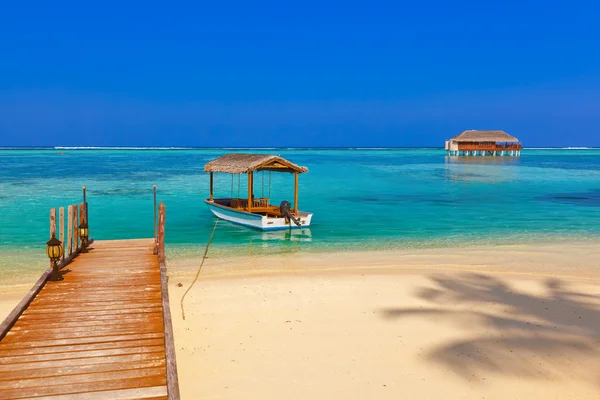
{"points": [[251, 211]]}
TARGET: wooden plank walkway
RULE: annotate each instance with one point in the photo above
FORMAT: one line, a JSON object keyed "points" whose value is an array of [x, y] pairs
{"points": [[98, 334]]}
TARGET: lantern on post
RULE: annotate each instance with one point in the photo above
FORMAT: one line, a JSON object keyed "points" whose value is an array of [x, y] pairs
{"points": [[54, 250], [83, 234]]}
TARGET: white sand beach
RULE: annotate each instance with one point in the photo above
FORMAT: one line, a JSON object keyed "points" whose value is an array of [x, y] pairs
{"points": [[501, 322], [495, 323]]}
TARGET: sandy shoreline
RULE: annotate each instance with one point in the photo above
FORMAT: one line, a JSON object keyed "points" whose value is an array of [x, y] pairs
{"points": [[563, 257], [576, 259], [520, 321]]}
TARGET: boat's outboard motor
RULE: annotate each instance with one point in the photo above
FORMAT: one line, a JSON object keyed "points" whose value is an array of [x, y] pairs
{"points": [[285, 211]]}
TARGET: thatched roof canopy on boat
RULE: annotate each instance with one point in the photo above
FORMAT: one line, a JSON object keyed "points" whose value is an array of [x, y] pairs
{"points": [[239, 163], [484, 136]]}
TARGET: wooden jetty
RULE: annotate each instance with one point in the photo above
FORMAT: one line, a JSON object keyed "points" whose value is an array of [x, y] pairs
{"points": [[102, 332]]}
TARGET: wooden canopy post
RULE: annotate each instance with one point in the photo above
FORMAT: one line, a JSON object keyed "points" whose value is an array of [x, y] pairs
{"points": [[211, 186], [296, 193], [249, 191]]}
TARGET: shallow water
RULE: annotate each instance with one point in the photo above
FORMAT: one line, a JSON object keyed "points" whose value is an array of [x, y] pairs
{"points": [[362, 199]]}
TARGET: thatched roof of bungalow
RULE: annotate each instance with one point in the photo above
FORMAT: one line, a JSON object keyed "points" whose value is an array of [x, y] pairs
{"points": [[239, 163], [484, 136]]}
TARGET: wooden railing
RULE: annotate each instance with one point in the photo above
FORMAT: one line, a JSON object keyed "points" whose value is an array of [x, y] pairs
{"points": [[170, 357], [489, 147], [69, 254], [160, 239], [76, 215], [261, 202]]}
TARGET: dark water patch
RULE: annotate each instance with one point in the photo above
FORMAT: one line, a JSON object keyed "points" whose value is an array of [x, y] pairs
{"points": [[21, 182], [570, 163], [395, 199], [442, 202], [589, 199]]}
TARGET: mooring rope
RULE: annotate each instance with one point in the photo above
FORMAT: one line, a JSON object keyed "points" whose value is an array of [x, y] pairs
{"points": [[199, 268]]}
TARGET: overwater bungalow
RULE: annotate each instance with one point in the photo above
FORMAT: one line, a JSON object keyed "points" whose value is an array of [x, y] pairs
{"points": [[483, 143]]}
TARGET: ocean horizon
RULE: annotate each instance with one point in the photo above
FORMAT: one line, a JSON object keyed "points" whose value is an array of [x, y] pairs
{"points": [[362, 199]]}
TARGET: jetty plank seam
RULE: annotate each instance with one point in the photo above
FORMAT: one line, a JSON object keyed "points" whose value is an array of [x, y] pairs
{"points": [[103, 332]]}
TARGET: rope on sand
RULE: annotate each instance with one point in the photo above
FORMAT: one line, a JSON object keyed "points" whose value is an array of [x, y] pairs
{"points": [[199, 268]]}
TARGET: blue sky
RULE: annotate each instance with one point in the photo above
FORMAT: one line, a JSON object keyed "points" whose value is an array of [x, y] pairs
{"points": [[306, 74]]}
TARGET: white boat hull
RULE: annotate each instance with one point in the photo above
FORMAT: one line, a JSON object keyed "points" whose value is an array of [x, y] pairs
{"points": [[258, 221]]}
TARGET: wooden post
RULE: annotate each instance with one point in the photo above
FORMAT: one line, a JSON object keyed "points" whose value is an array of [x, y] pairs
{"points": [[85, 212], [161, 231], [211, 186], [249, 191], [83, 218], [85, 205], [52, 226], [296, 193], [82, 213], [155, 228], [70, 229], [75, 228], [61, 217]]}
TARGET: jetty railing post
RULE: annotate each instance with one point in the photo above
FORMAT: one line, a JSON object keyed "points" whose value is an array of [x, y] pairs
{"points": [[52, 227], [75, 228], [51, 248], [70, 229], [155, 228], [161, 232], [82, 221], [87, 221], [61, 216]]}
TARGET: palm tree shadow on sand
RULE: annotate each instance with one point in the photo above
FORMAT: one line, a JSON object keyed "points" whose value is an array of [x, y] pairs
{"points": [[551, 335]]}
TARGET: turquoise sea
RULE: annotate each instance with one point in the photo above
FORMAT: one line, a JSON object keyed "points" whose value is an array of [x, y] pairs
{"points": [[361, 199]]}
